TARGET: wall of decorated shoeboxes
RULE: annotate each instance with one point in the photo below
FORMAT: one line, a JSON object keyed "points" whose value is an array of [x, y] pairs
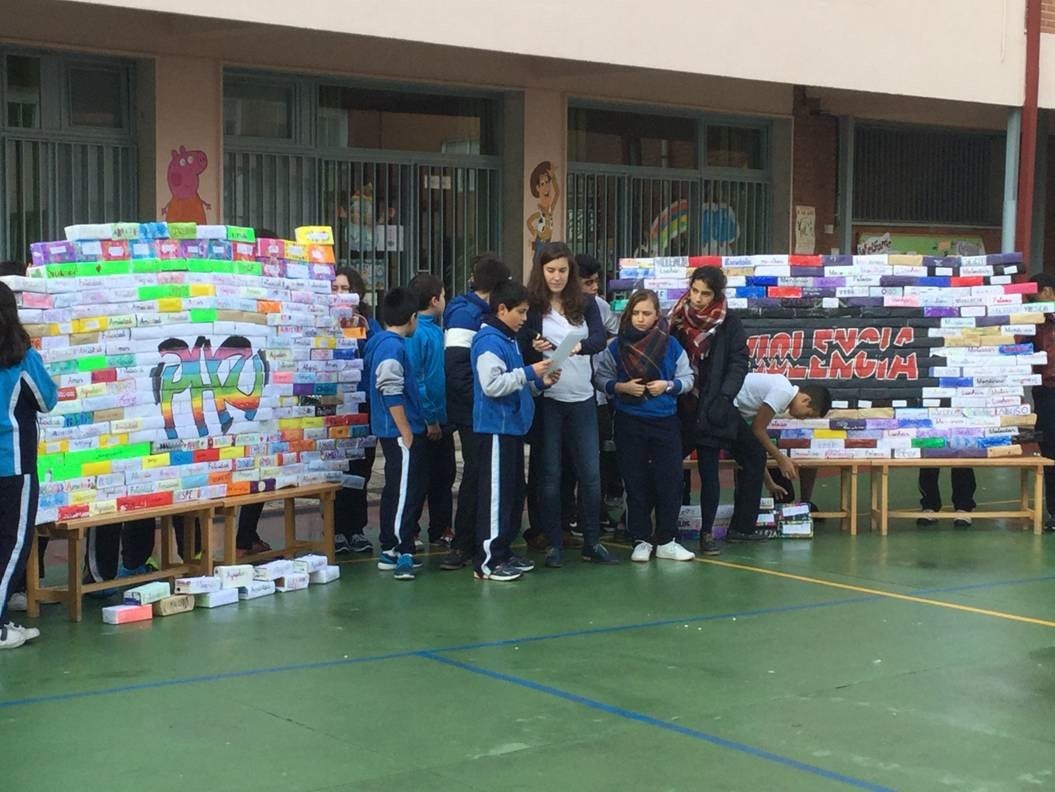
{"points": [[193, 363], [924, 356]]}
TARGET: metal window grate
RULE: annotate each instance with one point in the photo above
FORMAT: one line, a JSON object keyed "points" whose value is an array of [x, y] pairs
{"points": [[908, 175], [614, 213], [390, 218], [49, 185]]}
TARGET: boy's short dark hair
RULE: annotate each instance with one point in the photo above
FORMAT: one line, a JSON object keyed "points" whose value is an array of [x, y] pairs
{"points": [[487, 272], [398, 307], [425, 286], [588, 265], [820, 398], [510, 294], [1044, 280], [12, 268]]}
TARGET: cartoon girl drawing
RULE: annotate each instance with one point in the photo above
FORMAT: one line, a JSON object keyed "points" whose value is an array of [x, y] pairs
{"points": [[545, 189]]}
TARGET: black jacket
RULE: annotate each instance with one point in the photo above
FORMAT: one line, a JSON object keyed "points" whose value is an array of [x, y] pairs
{"points": [[721, 375]]}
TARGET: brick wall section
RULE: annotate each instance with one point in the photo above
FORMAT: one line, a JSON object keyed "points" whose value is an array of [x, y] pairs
{"points": [[1047, 16], [815, 154]]}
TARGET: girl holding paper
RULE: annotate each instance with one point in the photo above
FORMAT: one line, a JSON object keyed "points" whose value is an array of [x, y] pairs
{"points": [[643, 372], [566, 418], [26, 388]]}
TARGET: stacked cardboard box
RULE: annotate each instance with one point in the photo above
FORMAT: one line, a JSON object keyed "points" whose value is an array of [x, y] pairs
{"points": [[193, 362], [925, 357]]}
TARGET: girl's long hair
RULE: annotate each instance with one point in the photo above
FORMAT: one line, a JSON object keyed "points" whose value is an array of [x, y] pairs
{"points": [[357, 285], [571, 298], [14, 340]]}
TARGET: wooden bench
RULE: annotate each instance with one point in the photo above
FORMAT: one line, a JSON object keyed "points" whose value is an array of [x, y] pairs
{"points": [[326, 495], [881, 513], [73, 531], [849, 469]]}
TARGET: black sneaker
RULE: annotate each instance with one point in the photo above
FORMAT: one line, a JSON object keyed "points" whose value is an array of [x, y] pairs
{"points": [[598, 554], [1049, 524], [455, 559], [962, 521], [927, 522], [518, 562], [503, 573], [758, 535], [553, 558], [708, 546], [357, 543], [340, 545]]}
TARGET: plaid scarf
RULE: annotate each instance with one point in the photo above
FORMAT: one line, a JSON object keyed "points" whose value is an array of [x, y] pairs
{"points": [[695, 329], [641, 353]]}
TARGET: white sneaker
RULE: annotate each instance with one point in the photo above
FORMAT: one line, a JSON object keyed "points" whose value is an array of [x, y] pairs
{"points": [[672, 551], [642, 552], [11, 639], [29, 632], [18, 602]]}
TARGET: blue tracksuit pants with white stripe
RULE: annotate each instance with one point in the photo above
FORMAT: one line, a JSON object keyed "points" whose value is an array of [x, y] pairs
{"points": [[501, 493], [406, 484], [18, 515]]}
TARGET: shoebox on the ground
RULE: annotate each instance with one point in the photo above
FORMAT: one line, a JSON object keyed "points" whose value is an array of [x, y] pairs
{"points": [[689, 523], [327, 574], [125, 614], [177, 603], [309, 563], [197, 585], [722, 517], [148, 593], [795, 520], [234, 576], [292, 581], [255, 589], [214, 599], [273, 570]]}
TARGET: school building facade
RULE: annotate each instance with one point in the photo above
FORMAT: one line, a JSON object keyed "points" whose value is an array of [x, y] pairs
{"points": [[425, 133]]}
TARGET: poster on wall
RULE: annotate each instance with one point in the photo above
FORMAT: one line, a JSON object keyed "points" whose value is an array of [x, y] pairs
{"points": [[184, 181], [545, 189], [805, 230], [873, 242]]}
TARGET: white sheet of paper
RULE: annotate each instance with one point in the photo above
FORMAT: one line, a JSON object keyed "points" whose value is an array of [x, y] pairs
{"points": [[563, 352]]}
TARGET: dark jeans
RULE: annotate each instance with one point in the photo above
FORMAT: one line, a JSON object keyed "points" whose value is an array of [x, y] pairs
{"points": [[350, 508], [465, 518], [611, 480], [572, 425], [406, 482], [18, 515], [129, 543], [649, 451], [501, 489], [1044, 407], [751, 457], [442, 470], [963, 487]]}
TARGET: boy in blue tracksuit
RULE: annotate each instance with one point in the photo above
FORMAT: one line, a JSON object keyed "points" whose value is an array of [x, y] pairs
{"points": [[397, 422], [461, 322], [425, 349], [25, 389], [503, 408]]}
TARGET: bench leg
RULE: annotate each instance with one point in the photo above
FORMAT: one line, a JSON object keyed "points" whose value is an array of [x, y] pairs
{"points": [[1023, 495], [32, 580], [74, 554], [851, 506], [873, 515], [884, 499], [1038, 500], [230, 528], [205, 564], [166, 542], [289, 519], [326, 502]]}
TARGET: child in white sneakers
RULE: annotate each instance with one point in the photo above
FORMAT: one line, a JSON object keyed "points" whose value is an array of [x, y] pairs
{"points": [[643, 371]]}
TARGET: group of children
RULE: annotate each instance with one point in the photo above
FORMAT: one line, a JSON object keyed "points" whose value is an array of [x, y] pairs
{"points": [[498, 385]]}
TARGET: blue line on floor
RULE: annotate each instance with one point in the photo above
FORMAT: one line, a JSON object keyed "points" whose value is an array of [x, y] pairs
{"points": [[619, 712], [55, 697]]}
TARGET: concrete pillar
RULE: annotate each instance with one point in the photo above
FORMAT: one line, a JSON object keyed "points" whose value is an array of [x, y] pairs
{"points": [[846, 184], [1011, 150]]}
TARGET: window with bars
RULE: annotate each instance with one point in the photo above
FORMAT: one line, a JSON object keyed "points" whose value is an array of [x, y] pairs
{"points": [[68, 147], [927, 176], [650, 185], [407, 181]]}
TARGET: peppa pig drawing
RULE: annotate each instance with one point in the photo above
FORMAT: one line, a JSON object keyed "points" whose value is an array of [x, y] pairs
{"points": [[186, 205]]}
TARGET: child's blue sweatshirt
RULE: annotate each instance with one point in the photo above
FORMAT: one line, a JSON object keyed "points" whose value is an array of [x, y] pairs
{"points": [[391, 383], [461, 321], [425, 349], [673, 368], [25, 390], [502, 384]]}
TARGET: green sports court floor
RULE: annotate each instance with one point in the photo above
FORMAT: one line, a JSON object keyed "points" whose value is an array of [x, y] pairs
{"points": [[920, 661]]}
